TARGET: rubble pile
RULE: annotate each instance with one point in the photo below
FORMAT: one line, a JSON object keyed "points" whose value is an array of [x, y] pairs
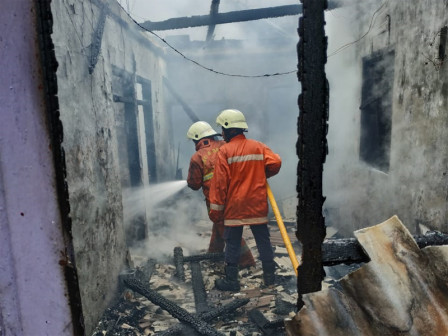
{"points": [[143, 306], [157, 296]]}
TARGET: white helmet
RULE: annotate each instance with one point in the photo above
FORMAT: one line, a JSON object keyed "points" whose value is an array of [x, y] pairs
{"points": [[232, 119], [199, 130]]}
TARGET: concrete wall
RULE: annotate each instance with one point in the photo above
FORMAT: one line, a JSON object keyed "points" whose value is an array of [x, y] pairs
{"points": [[415, 187], [91, 139]]}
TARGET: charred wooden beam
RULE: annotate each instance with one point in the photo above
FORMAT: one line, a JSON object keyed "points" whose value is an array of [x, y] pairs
{"points": [[179, 263], [312, 144], [431, 238], [200, 295], [349, 251], [213, 11], [144, 272], [220, 18], [180, 313], [179, 260], [205, 256], [182, 329], [342, 251]]}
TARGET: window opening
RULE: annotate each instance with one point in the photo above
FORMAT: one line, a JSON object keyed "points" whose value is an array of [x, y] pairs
{"points": [[376, 109]]}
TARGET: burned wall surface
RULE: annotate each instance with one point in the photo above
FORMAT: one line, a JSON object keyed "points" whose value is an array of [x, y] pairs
{"points": [[107, 69], [393, 158]]}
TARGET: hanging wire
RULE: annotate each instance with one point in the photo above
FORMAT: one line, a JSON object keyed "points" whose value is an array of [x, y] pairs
{"points": [[199, 64], [345, 46], [372, 20]]}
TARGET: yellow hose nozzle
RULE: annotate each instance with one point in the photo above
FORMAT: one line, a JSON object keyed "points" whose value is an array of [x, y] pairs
{"points": [[281, 225]]}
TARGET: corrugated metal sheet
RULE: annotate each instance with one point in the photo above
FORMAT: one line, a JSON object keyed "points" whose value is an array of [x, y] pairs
{"points": [[401, 291]]}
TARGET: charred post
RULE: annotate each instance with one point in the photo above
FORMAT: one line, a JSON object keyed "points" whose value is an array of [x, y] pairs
{"points": [[213, 11], [144, 273], [342, 251], [200, 295], [179, 263], [177, 312], [312, 144]]}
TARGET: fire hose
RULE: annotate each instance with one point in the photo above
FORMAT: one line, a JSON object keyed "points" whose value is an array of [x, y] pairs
{"points": [[281, 226]]}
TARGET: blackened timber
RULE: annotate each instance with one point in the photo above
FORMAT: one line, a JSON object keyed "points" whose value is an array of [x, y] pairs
{"points": [[177, 312], [312, 144], [179, 263], [342, 251], [144, 272], [213, 11], [220, 18], [180, 329], [431, 238], [349, 251], [205, 256], [200, 295], [184, 105]]}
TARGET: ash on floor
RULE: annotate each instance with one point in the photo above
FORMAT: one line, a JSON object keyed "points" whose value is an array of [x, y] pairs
{"points": [[264, 313]]}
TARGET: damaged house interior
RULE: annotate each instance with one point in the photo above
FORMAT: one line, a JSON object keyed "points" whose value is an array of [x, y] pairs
{"points": [[100, 233]]}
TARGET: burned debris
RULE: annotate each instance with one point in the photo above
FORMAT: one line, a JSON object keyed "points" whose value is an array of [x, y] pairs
{"points": [[176, 311], [178, 297]]}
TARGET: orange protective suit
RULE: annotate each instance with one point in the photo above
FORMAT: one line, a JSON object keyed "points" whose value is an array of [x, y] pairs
{"points": [[200, 174], [241, 198]]}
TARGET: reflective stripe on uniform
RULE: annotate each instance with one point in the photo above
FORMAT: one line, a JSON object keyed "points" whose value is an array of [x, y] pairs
{"points": [[207, 177], [242, 158], [216, 207], [245, 221]]}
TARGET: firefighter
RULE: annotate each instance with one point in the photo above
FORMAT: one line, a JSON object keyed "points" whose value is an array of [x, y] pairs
{"points": [[200, 174], [238, 195]]}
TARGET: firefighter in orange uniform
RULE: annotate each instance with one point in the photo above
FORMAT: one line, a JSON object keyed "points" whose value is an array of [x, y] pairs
{"points": [[200, 174], [238, 195]]}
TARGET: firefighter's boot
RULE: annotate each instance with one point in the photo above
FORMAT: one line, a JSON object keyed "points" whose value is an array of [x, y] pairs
{"points": [[268, 272], [230, 283]]}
